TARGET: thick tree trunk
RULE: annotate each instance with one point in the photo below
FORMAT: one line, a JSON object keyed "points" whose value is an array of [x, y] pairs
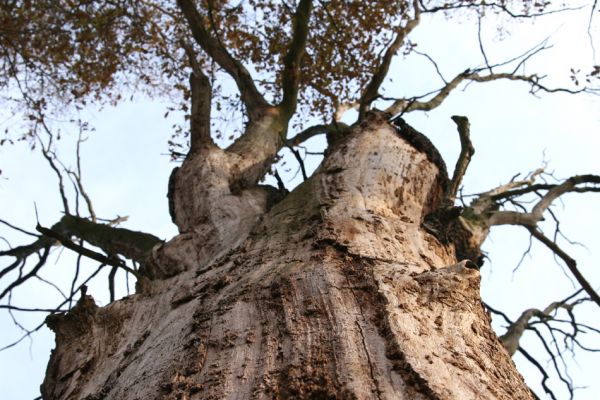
{"points": [[336, 291]]}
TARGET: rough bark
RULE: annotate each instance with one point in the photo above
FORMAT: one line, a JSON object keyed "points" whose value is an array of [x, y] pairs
{"points": [[337, 291]]}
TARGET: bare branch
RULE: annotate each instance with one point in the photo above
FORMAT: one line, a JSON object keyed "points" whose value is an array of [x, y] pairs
{"points": [[571, 264], [474, 75], [24, 309], [589, 29], [296, 154], [533, 80], [510, 340], [553, 357], [18, 229], [49, 156], [21, 279], [487, 63], [131, 244], [77, 271], [536, 214], [309, 133], [435, 64], [512, 337], [371, 92], [68, 243], [542, 371], [78, 179], [485, 210], [527, 181], [466, 152], [280, 184], [58, 309], [407, 105], [495, 6]]}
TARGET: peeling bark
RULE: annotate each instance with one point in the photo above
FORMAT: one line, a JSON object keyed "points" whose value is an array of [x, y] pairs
{"points": [[337, 291]]}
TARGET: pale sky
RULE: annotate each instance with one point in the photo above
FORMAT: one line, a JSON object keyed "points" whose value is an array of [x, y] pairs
{"points": [[126, 171]]}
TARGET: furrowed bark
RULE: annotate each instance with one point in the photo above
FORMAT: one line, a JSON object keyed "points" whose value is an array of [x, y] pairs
{"points": [[200, 114], [336, 291]]}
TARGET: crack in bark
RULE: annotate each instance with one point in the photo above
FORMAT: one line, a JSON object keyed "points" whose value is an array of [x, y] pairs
{"points": [[394, 353], [362, 314], [364, 343]]}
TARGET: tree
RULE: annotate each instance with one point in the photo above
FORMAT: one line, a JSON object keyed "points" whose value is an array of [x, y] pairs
{"points": [[361, 282]]}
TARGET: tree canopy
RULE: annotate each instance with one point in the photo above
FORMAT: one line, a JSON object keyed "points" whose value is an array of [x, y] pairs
{"points": [[327, 55]]}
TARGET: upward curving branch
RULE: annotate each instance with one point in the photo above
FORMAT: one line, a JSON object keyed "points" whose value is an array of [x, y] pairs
{"points": [[201, 102], [556, 321], [466, 152], [485, 212], [293, 59], [250, 95], [573, 184], [371, 92], [511, 339]]}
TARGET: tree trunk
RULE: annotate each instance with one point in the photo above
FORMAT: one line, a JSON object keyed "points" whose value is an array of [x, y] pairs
{"points": [[337, 291]]}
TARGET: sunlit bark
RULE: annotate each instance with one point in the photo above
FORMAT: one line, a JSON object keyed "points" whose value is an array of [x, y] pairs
{"points": [[334, 292]]}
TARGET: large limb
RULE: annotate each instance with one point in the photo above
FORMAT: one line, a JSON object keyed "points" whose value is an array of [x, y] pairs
{"points": [[293, 59], [371, 92], [201, 91], [230, 182], [250, 95], [264, 138], [332, 131]]}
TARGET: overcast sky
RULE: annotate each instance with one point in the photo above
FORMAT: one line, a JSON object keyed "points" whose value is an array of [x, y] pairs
{"points": [[125, 170]]}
